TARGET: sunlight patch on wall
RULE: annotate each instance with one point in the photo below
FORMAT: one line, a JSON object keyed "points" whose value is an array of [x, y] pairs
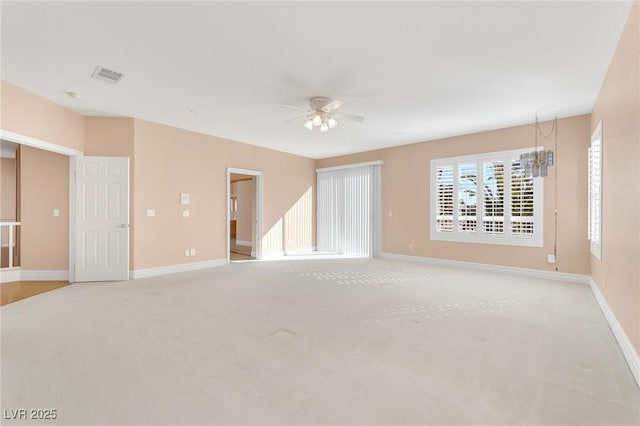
{"points": [[298, 225], [272, 241], [293, 232]]}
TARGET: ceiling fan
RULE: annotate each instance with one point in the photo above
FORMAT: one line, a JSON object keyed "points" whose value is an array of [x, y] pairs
{"points": [[321, 113]]}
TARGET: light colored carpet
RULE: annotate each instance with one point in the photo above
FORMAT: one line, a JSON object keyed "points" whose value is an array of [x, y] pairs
{"points": [[317, 342]]}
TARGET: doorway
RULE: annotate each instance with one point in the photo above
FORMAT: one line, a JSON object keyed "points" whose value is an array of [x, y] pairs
{"points": [[244, 215], [74, 160], [10, 204]]}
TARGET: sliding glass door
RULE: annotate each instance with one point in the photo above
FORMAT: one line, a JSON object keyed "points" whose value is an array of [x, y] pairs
{"points": [[349, 209]]}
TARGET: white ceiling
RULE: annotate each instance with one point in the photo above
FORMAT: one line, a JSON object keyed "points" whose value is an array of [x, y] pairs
{"points": [[416, 70]]}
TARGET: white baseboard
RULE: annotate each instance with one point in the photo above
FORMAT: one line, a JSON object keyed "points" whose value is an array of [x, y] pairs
{"points": [[243, 243], [523, 272], [10, 275], [17, 274], [629, 352], [174, 269]]}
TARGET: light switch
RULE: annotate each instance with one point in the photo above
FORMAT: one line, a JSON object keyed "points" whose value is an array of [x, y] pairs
{"points": [[192, 252], [185, 213], [151, 212], [185, 199], [56, 212]]}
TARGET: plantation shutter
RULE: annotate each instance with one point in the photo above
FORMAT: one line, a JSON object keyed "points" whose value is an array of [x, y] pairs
{"points": [[522, 201], [485, 198], [595, 193], [493, 197], [467, 197], [444, 200]]}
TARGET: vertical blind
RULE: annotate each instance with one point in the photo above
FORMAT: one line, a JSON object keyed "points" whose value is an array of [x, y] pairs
{"points": [[349, 209]]}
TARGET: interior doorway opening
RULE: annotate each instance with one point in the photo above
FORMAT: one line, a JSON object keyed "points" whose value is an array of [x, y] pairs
{"points": [[9, 204], [244, 215]]}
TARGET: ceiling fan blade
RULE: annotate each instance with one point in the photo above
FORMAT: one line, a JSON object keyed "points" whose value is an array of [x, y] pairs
{"points": [[296, 107], [333, 105], [294, 119], [352, 117]]}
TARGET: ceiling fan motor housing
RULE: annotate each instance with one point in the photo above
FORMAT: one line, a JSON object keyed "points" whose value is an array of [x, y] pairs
{"points": [[318, 103]]}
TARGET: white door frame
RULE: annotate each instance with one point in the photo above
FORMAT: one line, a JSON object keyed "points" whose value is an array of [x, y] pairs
{"points": [[258, 206], [73, 155]]}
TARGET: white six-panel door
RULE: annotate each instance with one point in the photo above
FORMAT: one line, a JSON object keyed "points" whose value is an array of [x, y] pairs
{"points": [[102, 219]]}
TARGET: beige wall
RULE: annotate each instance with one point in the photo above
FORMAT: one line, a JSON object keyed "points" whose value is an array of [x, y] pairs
{"points": [[406, 192], [44, 179], [169, 161], [245, 191], [618, 106], [164, 162], [8, 188], [28, 114]]}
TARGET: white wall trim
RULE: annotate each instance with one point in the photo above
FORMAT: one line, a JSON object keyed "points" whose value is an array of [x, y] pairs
{"points": [[523, 272], [8, 149], [243, 243], [37, 143], [174, 269], [629, 352], [350, 166], [17, 274], [10, 275]]}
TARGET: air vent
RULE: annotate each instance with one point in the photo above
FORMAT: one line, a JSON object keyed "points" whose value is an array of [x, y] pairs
{"points": [[110, 76]]}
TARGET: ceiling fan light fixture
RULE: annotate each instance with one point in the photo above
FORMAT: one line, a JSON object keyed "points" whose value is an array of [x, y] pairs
{"points": [[320, 113]]}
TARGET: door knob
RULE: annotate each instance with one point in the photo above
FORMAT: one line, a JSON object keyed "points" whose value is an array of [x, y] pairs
{"points": [[122, 225]]}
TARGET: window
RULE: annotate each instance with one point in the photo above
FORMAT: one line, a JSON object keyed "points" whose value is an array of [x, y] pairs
{"points": [[485, 199], [595, 192]]}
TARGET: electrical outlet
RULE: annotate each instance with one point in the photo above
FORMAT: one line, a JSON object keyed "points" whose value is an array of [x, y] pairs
{"points": [[56, 212], [192, 252], [185, 213], [186, 252], [151, 212], [551, 258]]}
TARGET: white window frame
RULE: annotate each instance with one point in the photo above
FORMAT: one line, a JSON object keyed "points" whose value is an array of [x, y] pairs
{"points": [[478, 236], [594, 231]]}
